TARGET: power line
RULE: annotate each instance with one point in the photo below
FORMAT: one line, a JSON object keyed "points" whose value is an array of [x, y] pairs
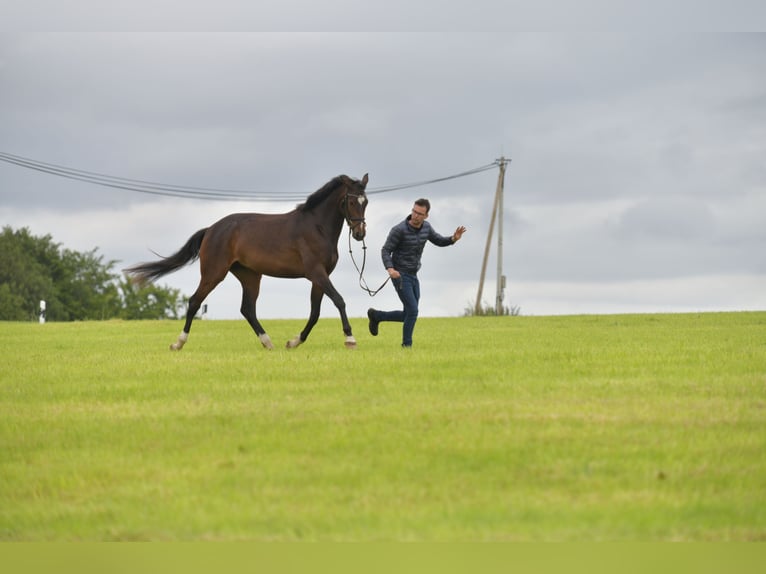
{"points": [[142, 186], [203, 193], [431, 181]]}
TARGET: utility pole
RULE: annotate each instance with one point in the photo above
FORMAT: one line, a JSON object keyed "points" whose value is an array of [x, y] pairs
{"points": [[497, 213], [500, 276]]}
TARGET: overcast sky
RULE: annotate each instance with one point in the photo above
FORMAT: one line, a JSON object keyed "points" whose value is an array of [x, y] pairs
{"points": [[637, 182]]}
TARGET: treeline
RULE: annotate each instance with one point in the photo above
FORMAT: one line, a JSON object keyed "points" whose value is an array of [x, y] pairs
{"points": [[75, 286]]}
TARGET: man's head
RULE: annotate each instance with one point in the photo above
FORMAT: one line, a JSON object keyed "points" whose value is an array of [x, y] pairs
{"points": [[420, 212]]}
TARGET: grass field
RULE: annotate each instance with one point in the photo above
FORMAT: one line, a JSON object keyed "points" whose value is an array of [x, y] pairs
{"points": [[583, 428]]}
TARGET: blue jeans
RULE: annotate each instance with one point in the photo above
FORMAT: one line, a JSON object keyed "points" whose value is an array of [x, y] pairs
{"points": [[408, 289]]}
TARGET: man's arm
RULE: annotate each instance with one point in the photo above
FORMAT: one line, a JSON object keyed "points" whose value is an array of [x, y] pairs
{"points": [[442, 241]]}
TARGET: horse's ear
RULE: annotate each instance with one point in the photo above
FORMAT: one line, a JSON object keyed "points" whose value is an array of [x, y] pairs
{"points": [[364, 180]]}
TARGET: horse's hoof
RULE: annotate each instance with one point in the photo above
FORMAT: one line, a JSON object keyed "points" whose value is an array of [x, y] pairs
{"points": [[350, 343], [266, 341], [180, 342], [292, 343]]}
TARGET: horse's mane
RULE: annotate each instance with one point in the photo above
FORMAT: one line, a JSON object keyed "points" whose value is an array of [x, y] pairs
{"points": [[320, 194]]}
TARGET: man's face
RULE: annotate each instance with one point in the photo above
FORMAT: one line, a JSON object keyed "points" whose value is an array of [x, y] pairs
{"points": [[419, 215]]}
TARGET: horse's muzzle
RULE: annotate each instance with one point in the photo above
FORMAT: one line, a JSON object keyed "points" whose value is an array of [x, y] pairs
{"points": [[359, 230]]}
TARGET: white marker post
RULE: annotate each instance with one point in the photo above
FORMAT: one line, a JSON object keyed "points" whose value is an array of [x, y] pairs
{"points": [[42, 312]]}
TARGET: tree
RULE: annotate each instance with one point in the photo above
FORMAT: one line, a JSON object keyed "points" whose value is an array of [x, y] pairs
{"points": [[90, 292], [26, 274], [150, 301], [76, 286], [11, 304]]}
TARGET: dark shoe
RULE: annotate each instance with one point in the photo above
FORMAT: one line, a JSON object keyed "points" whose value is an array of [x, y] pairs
{"points": [[373, 322]]}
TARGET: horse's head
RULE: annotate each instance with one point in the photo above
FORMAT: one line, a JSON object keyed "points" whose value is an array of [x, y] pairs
{"points": [[353, 205]]}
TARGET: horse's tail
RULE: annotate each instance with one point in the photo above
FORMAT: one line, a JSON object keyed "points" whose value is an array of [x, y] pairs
{"points": [[143, 273]]}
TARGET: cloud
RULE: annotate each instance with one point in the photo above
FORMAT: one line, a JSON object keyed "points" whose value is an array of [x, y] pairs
{"points": [[728, 292], [395, 15], [668, 219], [637, 159]]}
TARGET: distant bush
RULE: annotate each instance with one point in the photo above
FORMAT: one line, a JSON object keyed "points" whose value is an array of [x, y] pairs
{"points": [[487, 310]]}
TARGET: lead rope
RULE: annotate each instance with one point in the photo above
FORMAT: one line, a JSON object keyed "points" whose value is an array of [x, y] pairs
{"points": [[362, 282]]}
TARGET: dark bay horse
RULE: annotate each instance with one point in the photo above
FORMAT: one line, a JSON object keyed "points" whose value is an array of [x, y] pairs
{"points": [[301, 243]]}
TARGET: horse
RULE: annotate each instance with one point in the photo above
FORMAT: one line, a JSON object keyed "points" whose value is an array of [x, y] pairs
{"points": [[302, 243]]}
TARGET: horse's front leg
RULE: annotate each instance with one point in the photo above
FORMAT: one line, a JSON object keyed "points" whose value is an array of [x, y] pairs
{"points": [[318, 290]]}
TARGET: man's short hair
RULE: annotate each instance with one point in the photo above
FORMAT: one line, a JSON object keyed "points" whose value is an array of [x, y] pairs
{"points": [[423, 203]]}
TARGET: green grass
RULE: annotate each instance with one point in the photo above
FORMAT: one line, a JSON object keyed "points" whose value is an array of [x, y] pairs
{"points": [[641, 427]]}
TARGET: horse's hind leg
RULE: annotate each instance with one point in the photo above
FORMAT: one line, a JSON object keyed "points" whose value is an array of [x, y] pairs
{"points": [[251, 287], [209, 280], [195, 301], [316, 306]]}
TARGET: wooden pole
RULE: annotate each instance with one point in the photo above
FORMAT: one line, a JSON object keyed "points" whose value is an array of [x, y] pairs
{"points": [[477, 307], [499, 201]]}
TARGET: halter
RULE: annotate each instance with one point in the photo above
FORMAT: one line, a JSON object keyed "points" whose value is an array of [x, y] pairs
{"points": [[351, 221]]}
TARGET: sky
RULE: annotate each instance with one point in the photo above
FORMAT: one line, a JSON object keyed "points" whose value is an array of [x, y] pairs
{"points": [[637, 181]]}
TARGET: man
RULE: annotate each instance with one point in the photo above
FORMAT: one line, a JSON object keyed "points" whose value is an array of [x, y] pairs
{"points": [[401, 257]]}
